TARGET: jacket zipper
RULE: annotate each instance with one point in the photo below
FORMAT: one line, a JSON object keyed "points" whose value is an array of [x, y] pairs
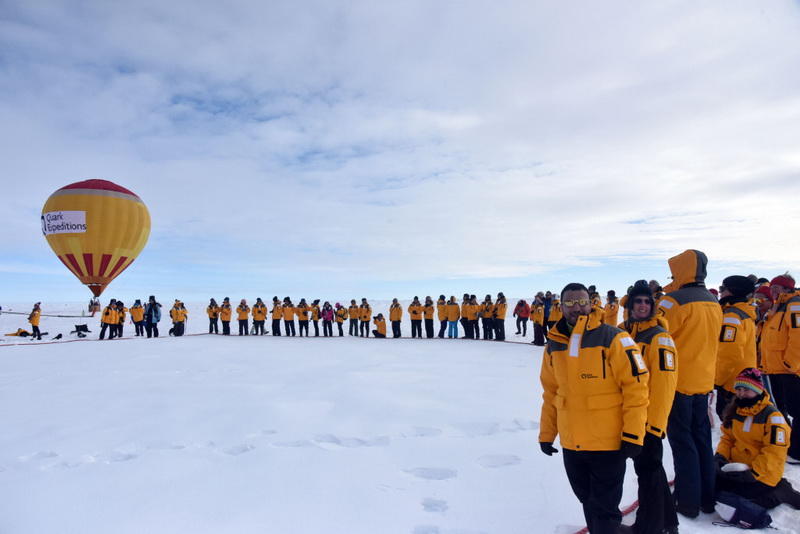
{"points": [[604, 363]]}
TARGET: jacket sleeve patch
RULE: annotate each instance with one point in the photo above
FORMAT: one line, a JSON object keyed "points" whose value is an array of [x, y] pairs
{"points": [[778, 436], [727, 334], [666, 341], [777, 419], [731, 320], [627, 341], [796, 320], [666, 304], [666, 360], [638, 366]]}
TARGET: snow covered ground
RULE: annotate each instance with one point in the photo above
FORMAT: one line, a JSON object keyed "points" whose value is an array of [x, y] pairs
{"points": [[213, 434]]}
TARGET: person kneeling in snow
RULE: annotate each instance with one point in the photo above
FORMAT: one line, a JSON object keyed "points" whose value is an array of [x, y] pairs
{"points": [[756, 437], [380, 325]]}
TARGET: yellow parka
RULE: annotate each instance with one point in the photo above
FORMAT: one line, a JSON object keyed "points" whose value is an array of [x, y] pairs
{"points": [[380, 325], [341, 314], [35, 317], [302, 312], [660, 356], [780, 337], [137, 313], [365, 312], [695, 320], [354, 312], [315, 312], [611, 313], [500, 309], [428, 310], [623, 303], [242, 312], [441, 309], [260, 312], [211, 310], [737, 343], [758, 437], [537, 313], [178, 315], [225, 312], [487, 310], [110, 316], [395, 312], [453, 313], [555, 312], [288, 312], [277, 311], [469, 311], [415, 312], [595, 386], [121, 314]]}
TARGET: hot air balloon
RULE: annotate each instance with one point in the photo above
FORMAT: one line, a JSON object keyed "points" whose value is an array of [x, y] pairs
{"points": [[96, 228]]}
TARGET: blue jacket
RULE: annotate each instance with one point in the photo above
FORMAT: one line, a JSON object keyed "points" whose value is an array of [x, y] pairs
{"points": [[152, 314]]}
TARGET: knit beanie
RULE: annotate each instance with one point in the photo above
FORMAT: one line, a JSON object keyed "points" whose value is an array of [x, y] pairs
{"points": [[784, 280], [764, 292], [750, 378], [640, 289], [739, 286]]}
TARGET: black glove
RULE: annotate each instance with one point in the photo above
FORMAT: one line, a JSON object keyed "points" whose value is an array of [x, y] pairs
{"points": [[547, 447], [630, 450], [719, 460]]}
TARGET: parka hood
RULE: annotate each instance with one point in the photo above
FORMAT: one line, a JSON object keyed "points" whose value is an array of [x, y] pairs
{"points": [[688, 267]]}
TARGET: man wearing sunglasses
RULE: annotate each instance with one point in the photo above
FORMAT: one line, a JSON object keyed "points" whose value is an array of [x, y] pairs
{"points": [[595, 399], [695, 321]]}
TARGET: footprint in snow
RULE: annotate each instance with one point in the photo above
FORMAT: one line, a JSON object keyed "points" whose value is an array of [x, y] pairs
{"points": [[39, 455], [521, 425], [119, 456], [433, 473], [329, 439], [472, 430], [293, 444], [430, 504], [423, 432], [236, 450], [426, 529], [493, 461]]}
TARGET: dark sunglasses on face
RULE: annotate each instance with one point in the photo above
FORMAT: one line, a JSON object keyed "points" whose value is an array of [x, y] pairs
{"points": [[641, 300], [570, 303]]}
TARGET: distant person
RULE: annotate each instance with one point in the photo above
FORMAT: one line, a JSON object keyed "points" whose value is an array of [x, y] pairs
{"points": [[500, 317], [242, 315], [260, 313], [178, 314], [366, 316], [754, 433], [109, 320], [302, 310], [415, 311], [475, 309], [441, 312], [380, 326], [453, 315], [487, 317], [600, 421], [695, 320], [395, 317], [34, 318], [152, 315], [225, 315], [464, 310], [354, 312], [522, 312], [341, 317], [611, 310], [548, 305], [277, 315], [555, 312], [213, 317], [315, 312], [537, 317], [137, 316], [122, 313], [327, 315], [428, 312], [288, 317]]}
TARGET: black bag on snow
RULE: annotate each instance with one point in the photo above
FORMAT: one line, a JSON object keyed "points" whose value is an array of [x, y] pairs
{"points": [[740, 512]]}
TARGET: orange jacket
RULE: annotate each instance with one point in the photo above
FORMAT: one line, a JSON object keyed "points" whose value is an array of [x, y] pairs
{"points": [[469, 311], [429, 309], [212, 311], [354, 312], [178, 315], [780, 337], [260, 312], [137, 313], [341, 314], [381, 325], [441, 309], [555, 312], [453, 313], [35, 316], [288, 312], [487, 310], [415, 312], [242, 312], [302, 312], [695, 320], [365, 312], [395, 312], [737, 343], [315, 312], [110, 316], [277, 311], [225, 312], [611, 313], [500, 309]]}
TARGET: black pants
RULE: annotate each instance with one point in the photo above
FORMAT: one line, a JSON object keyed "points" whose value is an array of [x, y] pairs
{"points": [[429, 328], [112, 332], [151, 329], [522, 325], [596, 478], [488, 328], [303, 326], [276, 327], [341, 328], [316, 328], [500, 329], [226, 328], [723, 398], [259, 327], [442, 328], [327, 328], [178, 328], [787, 392], [289, 327], [476, 330], [465, 327], [243, 330], [119, 329], [213, 327], [353, 327], [38, 333], [364, 328], [758, 492], [139, 327], [377, 334], [538, 335], [396, 329], [689, 434], [656, 505], [416, 328]]}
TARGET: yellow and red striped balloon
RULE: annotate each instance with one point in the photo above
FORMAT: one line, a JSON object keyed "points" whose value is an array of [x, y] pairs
{"points": [[96, 228]]}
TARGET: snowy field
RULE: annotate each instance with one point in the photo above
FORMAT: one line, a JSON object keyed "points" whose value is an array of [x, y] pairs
{"points": [[213, 434]]}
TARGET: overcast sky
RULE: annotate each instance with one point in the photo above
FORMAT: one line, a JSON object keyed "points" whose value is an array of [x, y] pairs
{"points": [[381, 149]]}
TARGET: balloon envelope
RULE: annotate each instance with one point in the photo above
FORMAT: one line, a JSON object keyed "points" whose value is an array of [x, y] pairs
{"points": [[96, 228]]}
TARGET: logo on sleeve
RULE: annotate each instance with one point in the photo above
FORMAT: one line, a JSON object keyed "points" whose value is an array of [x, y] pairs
{"points": [[666, 360], [728, 334]]}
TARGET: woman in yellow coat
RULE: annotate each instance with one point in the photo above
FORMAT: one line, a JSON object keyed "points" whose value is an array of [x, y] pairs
{"points": [[441, 312], [500, 307], [415, 311], [428, 312], [34, 318], [341, 317], [487, 317], [277, 314], [453, 315], [137, 316], [110, 320], [302, 310], [288, 316], [354, 313], [242, 315], [315, 312], [212, 310], [395, 316], [225, 315], [178, 314], [259, 317], [380, 326], [365, 313]]}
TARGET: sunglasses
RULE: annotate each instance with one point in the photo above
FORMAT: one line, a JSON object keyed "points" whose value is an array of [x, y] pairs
{"points": [[641, 300], [570, 303]]}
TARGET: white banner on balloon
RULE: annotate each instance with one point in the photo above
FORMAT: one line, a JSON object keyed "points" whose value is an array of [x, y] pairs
{"points": [[64, 222]]}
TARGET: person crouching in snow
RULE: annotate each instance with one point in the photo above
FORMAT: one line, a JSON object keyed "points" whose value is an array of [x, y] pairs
{"points": [[33, 318], [380, 326], [755, 434]]}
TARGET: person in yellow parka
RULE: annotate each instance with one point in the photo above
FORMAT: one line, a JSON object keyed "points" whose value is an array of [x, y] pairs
{"points": [[656, 513], [354, 312], [33, 318], [122, 313], [225, 315], [260, 313], [288, 316], [302, 310], [277, 314], [109, 320], [611, 310], [415, 311], [500, 317], [695, 320], [737, 340], [395, 316], [453, 315], [555, 312], [380, 326], [623, 303], [178, 314], [487, 317], [137, 317], [315, 311], [472, 317], [365, 312], [428, 313], [755, 434], [242, 315], [212, 310], [341, 317], [595, 400], [441, 312]]}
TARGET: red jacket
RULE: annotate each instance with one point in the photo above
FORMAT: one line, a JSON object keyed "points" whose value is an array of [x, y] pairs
{"points": [[522, 310]]}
